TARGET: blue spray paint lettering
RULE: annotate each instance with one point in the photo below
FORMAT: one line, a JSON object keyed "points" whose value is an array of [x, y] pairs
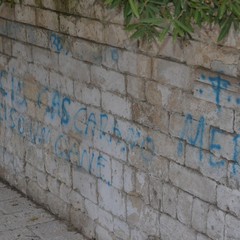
{"points": [[91, 123], [19, 92], [21, 121], [103, 124], [84, 156], [236, 153], [213, 146], [31, 134], [46, 134], [115, 55], [40, 96], [116, 131], [217, 85], [2, 108], [147, 144], [56, 42], [58, 149], [3, 74], [133, 137], [38, 134], [80, 113], [90, 164], [17, 96], [65, 115], [74, 151], [55, 109], [187, 135], [12, 112], [101, 164]]}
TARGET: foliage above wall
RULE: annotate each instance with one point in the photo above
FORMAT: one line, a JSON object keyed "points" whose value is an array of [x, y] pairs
{"points": [[150, 19], [157, 18]]}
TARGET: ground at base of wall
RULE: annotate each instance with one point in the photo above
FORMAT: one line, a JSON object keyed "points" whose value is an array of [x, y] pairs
{"points": [[21, 219]]}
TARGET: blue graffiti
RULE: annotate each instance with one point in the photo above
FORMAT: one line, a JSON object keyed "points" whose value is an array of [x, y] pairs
{"points": [[87, 124], [115, 55], [147, 144], [103, 124], [74, 151], [133, 137], [100, 165], [38, 134], [187, 135], [58, 107], [91, 123], [65, 115], [116, 131], [12, 112], [40, 95], [90, 164], [21, 125], [56, 42], [218, 84], [236, 154], [55, 109], [203, 77], [3, 115], [17, 96], [95, 162], [213, 146], [3, 74], [58, 148], [81, 112], [84, 155]]}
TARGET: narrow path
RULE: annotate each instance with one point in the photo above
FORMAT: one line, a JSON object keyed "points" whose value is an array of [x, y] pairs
{"points": [[21, 219]]}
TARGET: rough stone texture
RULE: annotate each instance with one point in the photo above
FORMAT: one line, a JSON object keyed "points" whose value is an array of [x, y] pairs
{"points": [[127, 140], [193, 183], [199, 215], [172, 229]]}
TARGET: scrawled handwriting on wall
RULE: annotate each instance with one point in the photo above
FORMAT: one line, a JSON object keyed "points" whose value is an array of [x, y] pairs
{"points": [[102, 133], [69, 118]]}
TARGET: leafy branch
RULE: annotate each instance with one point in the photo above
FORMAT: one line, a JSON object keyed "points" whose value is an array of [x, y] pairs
{"points": [[150, 19]]}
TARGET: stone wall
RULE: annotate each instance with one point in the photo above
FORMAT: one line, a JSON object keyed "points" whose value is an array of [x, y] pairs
{"points": [[126, 140]]}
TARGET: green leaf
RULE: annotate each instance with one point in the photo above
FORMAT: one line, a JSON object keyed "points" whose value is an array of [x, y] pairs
{"points": [[163, 34], [127, 13], [222, 10], [183, 26], [134, 8], [140, 33], [197, 17], [131, 27], [236, 10], [225, 29], [153, 21]]}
